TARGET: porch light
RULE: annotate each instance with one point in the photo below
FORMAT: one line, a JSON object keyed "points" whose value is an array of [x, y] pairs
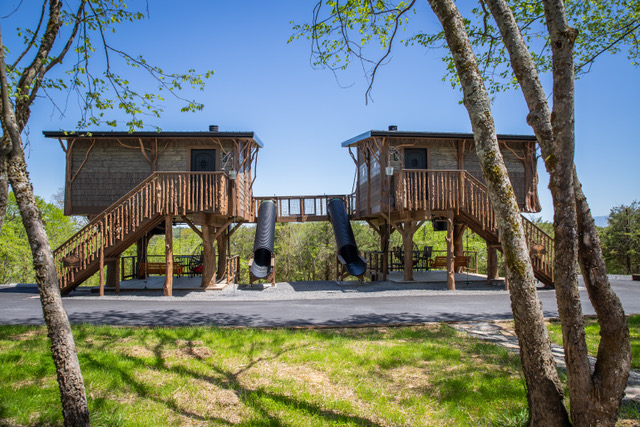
{"points": [[232, 174], [388, 170]]}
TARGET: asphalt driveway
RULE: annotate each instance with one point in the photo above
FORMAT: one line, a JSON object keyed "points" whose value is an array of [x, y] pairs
{"points": [[293, 304]]}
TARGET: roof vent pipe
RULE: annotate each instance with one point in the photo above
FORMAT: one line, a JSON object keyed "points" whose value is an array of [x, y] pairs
{"points": [[393, 128], [213, 128]]}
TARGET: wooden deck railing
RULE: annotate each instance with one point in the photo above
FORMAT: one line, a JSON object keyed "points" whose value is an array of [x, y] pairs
{"points": [[233, 269], [162, 193], [375, 263], [542, 257], [441, 190], [304, 208]]}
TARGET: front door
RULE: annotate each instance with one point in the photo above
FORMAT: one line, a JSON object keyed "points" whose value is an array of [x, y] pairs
{"points": [[417, 182], [415, 158], [203, 160]]}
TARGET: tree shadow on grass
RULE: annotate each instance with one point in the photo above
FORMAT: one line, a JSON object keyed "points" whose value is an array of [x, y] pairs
{"points": [[223, 379]]}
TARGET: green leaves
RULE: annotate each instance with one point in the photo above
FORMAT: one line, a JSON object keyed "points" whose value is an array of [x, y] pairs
{"points": [[343, 30], [15, 252], [102, 76], [350, 30], [621, 239]]}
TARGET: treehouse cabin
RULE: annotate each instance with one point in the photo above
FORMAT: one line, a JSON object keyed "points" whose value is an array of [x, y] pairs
{"points": [[134, 185], [406, 178]]}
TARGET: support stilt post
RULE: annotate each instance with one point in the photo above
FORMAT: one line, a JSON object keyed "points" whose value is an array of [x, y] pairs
{"points": [[492, 263], [458, 247], [451, 278], [209, 256], [222, 253], [168, 250], [113, 273], [102, 240], [384, 247], [141, 252], [407, 241]]}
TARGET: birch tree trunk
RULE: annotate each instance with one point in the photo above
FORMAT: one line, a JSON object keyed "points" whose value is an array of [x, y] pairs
{"points": [[72, 392], [544, 390], [597, 396]]}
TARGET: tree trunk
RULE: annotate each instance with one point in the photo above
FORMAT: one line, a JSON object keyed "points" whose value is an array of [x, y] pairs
{"points": [[614, 351], [5, 145], [565, 218], [601, 394], [72, 393], [544, 390]]}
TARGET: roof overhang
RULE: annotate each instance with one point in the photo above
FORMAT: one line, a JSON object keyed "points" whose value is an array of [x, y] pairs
{"points": [[116, 134], [427, 135]]}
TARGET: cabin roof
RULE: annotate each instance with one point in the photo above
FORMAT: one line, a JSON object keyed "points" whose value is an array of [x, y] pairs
{"points": [[427, 135], [163, 134]]}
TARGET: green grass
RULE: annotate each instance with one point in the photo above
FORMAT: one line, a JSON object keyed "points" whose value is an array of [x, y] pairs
{"points": [[429, 375], [592, 329]]}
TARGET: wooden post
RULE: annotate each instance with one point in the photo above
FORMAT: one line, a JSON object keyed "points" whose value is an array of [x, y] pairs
{"points": [[492, 263], [168, 250], [458, 247], [209, 256], [222, 253], [407, 242], [384, 248], [141, 254], [113, 273], [451, 277], [102, 261]]}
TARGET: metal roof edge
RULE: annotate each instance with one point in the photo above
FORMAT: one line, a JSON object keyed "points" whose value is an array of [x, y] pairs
{"points": [[409, 134], [360, 137], [122, 134]]}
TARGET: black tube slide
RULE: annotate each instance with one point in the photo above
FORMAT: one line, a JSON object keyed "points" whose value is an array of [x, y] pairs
{"points": [[263, 243], [345, 241]]}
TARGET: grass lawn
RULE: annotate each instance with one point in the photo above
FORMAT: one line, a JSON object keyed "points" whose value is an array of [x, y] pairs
{"points": [[414, 376], [592, 329], [430, 375]]}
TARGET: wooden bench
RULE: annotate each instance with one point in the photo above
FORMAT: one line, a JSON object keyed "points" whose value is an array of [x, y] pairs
{"points": [[159, 268], [441, 262]]}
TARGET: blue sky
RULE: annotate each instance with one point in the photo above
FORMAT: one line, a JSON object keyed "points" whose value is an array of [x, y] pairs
{"points": [[265, 85]]}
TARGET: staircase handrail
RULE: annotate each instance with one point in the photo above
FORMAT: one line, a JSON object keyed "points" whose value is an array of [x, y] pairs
{"points": [[126, 214], [128, 195]]}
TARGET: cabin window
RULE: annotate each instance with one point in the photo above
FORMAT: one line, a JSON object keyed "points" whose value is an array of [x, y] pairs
{"points": [[227, 161], [375, 165], [364, 176], [415, 158], [203, 160]]}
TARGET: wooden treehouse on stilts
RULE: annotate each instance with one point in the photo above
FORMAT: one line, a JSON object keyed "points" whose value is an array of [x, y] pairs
{"points": [[406, 178], [132, 186]]}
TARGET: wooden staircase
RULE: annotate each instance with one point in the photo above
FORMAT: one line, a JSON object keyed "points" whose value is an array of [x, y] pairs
{"points": [[135, 214], [441, 190]]}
